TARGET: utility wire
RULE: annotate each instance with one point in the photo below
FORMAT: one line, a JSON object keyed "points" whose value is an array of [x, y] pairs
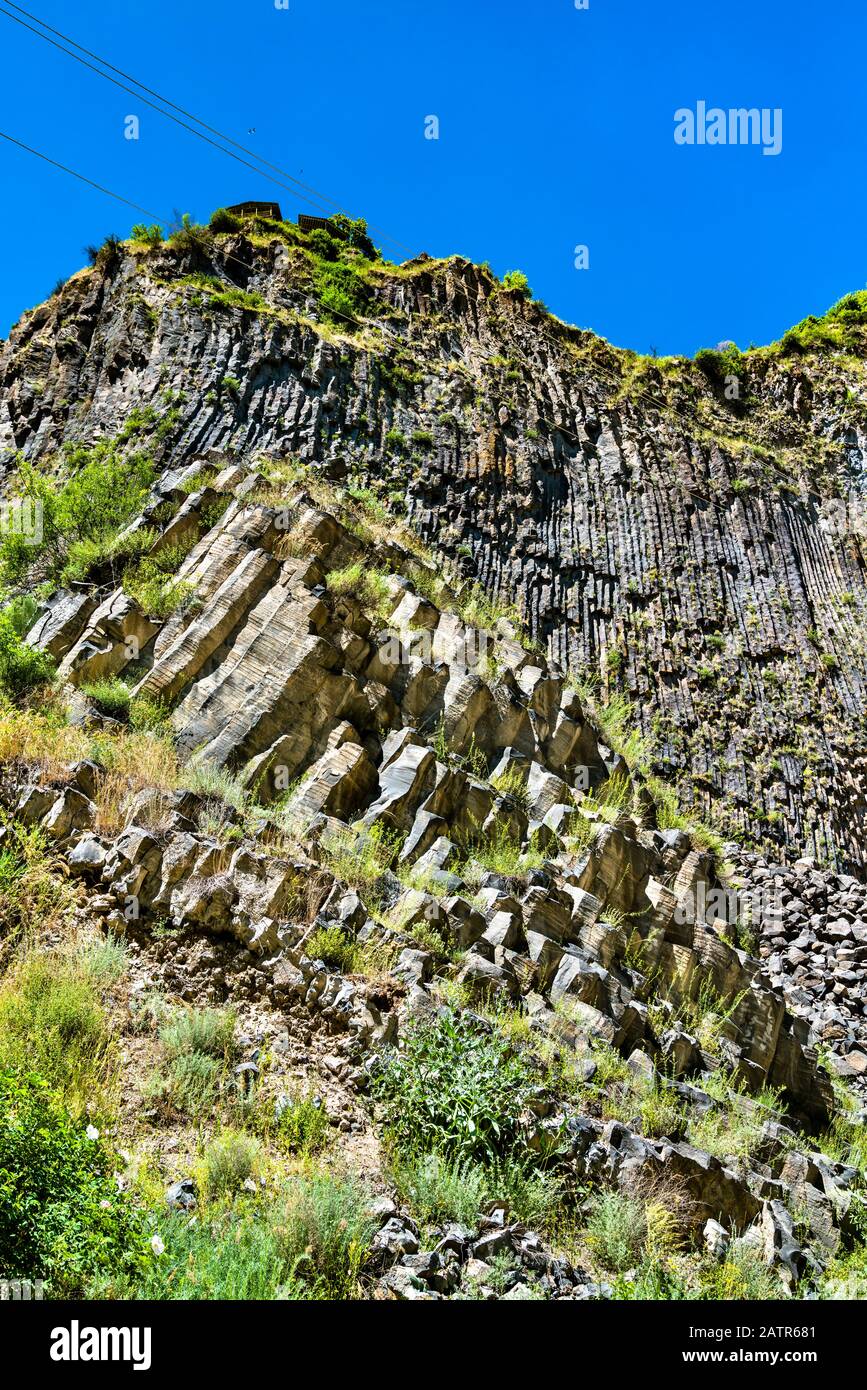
{"points": [[228, 255], [562, 429], [76, 175], [315, 196]]}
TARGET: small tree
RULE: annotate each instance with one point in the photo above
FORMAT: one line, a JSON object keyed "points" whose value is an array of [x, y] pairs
{"points": [[517, 281]]}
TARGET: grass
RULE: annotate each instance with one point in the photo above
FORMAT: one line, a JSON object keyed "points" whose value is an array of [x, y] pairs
{"points": [[498, 853], [733, 1128], [323, 1228], [53, 1023], [368, 586], [131, 760], [33, 892], [111, 696], [154, 586], [360, 859], [232, 1255], [617, 1230], [198, 1046], [512, 783], [229, 1161], [207, 779]]}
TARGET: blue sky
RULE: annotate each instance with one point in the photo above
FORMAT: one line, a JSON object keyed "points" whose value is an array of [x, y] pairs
{"points": [[555, 130]]}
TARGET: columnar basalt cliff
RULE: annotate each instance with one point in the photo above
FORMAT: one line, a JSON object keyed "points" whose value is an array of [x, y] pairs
{"points": [[383, 650], [689, 531]]}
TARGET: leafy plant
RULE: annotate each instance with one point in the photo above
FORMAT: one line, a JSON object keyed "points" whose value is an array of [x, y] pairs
{"points": [[455, 1090], [62, 1217], [112, 696]]}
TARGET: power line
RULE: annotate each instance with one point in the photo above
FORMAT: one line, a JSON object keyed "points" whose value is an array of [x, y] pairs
{"points": [[76, 175], [157, 217], [230, 256], [315, 198]]}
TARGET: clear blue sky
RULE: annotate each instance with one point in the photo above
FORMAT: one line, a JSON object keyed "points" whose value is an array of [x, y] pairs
{"points": [[556, 129]]}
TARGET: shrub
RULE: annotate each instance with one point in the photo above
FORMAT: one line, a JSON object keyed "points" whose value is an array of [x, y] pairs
{"points": [[228, 1162], [96, 493], [361, 859], [156, 592], [198, 1045], [147, 715], [21, 667], [500, 854], [454, 1090], [517, 282], [343, 294], [353, 230], [742, 1275], [512, 783], [222, 220], [190, 235], [302, 1126], [111, 696], [62, 1217], [324, 1229], [104, 960], [217, 782], [359, 581], [438, 1190], [333, 946], [145, 235], [617, 1230]]}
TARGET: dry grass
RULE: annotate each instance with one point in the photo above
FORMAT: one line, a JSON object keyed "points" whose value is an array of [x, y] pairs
{"points": [[132, 761], [41, 738]]}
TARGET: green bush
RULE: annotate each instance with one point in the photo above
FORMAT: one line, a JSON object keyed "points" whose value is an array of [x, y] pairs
{"points": [[111, 696], [324, 1229], [92, 497], [228, 1162], [198, 1045], [222, 220], [334, 947], [437, 1190], [155, 590], [517, 281], [302, 1126], [62, 1217], [148, 235], [21, 667], [343, 294], [617, 1230], [455, 1090]]}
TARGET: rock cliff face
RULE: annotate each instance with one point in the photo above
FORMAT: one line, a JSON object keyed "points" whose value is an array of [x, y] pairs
{"points": [[303, 764], [691, 533]]}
